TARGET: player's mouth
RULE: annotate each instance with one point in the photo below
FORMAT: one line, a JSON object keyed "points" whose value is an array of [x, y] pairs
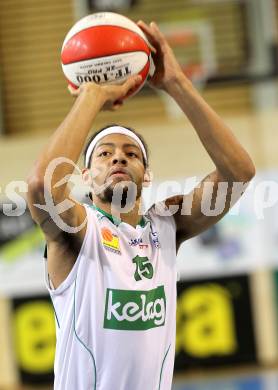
{"points": [[119, 172]]}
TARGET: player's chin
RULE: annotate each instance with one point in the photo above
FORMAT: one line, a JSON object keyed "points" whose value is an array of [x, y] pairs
{"points": [[123, 185]]}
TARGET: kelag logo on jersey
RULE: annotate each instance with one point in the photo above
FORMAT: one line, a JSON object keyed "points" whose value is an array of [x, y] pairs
{"points": [[134, 310]]}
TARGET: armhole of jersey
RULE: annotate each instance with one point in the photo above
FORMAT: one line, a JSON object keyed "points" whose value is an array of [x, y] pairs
{"points": [[161, 206], [72, 275], [170, 222]]}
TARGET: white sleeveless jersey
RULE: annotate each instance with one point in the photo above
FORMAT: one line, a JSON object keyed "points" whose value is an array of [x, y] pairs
{"points": [[116, 310]]}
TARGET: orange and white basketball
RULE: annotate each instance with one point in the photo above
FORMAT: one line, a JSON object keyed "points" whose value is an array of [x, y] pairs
{"points": [[105, 47]]}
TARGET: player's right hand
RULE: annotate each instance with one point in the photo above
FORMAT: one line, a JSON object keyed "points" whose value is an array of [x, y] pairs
{"points": [[110, 95], [167, 69]]}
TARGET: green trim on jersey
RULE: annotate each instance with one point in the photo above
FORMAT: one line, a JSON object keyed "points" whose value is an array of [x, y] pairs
{"points": [[58, 323], [114, 220], [162, 366], [79, 339]]}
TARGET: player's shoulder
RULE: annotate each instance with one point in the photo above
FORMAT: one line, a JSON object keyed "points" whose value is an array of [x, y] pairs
{"points": [[160, 213], [159, 209]]}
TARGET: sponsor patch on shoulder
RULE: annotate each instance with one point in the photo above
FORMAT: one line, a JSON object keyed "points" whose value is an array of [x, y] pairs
{"points": [[110, 240]]}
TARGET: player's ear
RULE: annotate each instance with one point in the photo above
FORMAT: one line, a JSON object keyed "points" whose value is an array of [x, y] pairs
{"points": [[87, 177], [148, 176]]}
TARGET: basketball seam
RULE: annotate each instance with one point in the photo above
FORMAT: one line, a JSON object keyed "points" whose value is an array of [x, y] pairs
{"points": [[108, 25], [110, 55]]}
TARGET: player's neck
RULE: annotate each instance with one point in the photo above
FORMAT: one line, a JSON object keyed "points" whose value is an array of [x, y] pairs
{"points": [[131, 217]]}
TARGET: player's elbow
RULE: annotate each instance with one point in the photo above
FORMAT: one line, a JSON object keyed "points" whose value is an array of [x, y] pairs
{"points": [[35, 186], [248, 172], [252, 171], [35, 182], [243, 172]]}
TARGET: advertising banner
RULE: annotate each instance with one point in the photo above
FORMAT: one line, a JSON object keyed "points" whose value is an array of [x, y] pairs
{"points": [[34, 338], [214, 323]]}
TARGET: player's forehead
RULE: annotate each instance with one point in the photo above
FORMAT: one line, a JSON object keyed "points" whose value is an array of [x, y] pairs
{"points": [[117, 140]]}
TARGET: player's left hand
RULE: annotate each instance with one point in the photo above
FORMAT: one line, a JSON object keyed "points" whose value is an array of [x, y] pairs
{"points": [[167, 68], [109, 96]]}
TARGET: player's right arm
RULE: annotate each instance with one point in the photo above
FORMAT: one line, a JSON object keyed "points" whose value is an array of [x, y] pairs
{"points": [[67, 142]]}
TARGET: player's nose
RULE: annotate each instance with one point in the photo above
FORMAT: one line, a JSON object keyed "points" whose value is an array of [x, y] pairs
{"points": [[119, 157]]}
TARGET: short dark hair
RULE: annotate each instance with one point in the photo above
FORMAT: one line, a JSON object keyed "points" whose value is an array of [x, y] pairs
{"points": [[145, 162]]}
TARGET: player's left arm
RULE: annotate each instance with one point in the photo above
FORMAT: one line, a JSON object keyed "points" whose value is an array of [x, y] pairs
{"points": [[205, 205], [232, 162], [233, 166]]}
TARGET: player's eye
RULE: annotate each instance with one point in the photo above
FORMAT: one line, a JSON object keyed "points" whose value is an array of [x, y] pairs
{"points": [[132, 154], [104, 153]]}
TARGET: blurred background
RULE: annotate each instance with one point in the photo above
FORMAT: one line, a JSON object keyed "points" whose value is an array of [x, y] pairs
{"points": [[227, 293]]}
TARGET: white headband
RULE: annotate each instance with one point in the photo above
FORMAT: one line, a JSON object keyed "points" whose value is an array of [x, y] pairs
{"points": [[113, 130]]}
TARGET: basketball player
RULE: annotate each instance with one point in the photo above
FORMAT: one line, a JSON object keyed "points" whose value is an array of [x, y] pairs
{"points": [[113, 280]]}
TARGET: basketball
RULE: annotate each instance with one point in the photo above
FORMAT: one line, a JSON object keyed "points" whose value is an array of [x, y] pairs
{"points": [[105, 47]]}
